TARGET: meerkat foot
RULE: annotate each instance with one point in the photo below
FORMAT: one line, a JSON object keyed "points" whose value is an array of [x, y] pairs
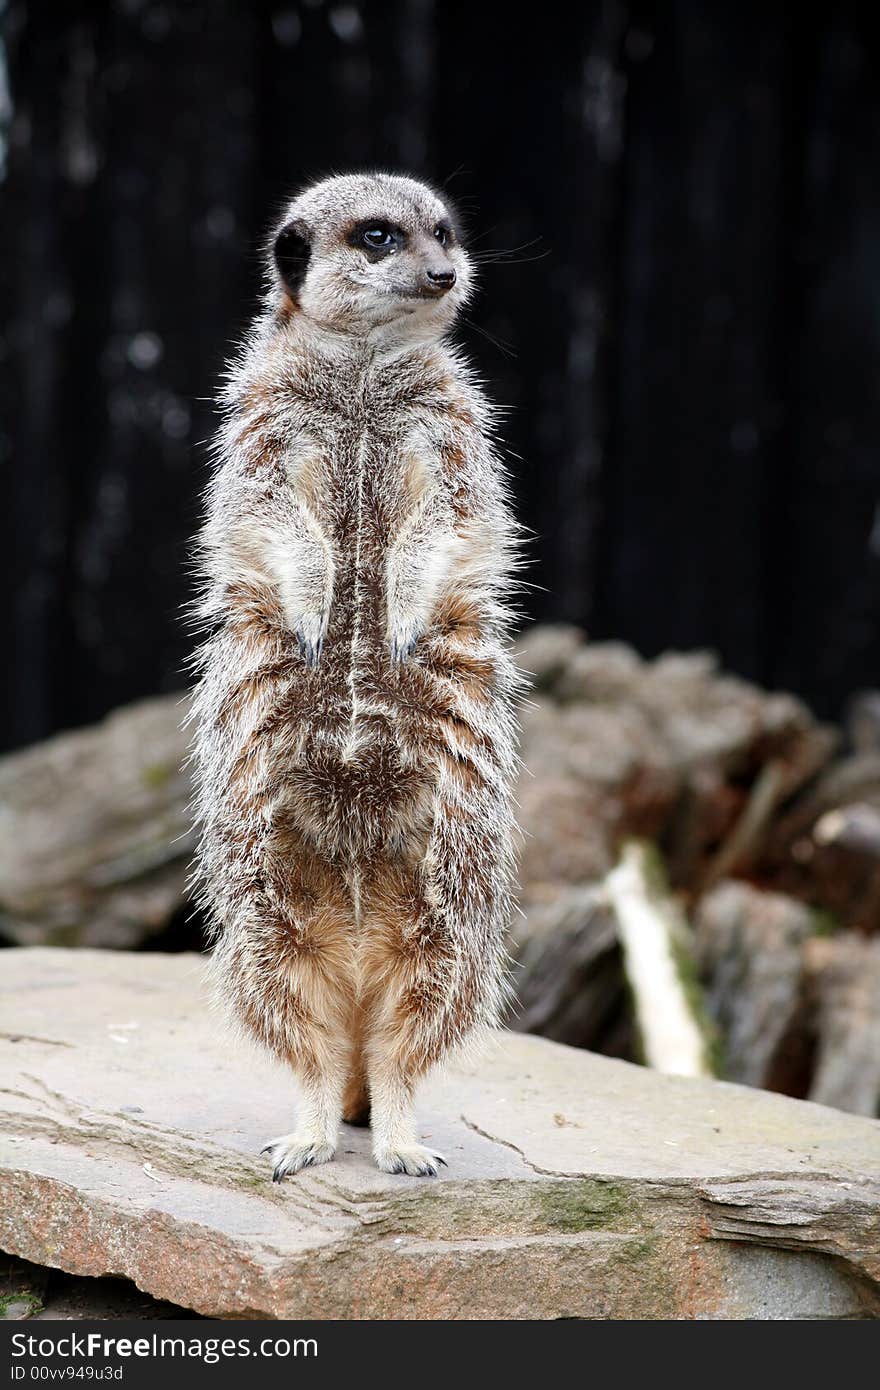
{"points": [[292, 1152], [413, 1159]]}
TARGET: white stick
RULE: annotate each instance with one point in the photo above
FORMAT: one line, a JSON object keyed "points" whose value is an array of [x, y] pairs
{"points": [[653, 933]]}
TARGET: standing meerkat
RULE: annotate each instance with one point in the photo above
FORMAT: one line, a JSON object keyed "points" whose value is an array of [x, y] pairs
{"points": [[354, 714]]}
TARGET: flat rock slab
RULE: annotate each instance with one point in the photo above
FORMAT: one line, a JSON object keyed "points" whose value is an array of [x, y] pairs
{"points": [[578, 1186]]}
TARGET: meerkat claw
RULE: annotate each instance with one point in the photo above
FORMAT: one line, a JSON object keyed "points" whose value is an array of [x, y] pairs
{"points": [[309, 649], [416, 1162], [291, 1155], [402, 649]]}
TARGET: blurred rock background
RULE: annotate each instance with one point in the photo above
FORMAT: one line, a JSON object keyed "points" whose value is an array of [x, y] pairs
{"points": [[680, 217]]}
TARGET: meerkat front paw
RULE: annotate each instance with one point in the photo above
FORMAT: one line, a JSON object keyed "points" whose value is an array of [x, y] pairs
{"points": [[309, 630], [402, 640], [414, 1159], [292, 1152]]}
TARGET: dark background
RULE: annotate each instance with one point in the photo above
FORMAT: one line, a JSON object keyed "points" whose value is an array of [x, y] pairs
{"points": [[694, 321]]}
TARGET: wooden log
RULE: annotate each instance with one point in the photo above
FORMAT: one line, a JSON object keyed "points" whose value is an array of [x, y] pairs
{"points": [[740, 845], [822, 847], [845, 973], [568, 975], [863, 721], [845, 782], [855, 829], [749, 947]]}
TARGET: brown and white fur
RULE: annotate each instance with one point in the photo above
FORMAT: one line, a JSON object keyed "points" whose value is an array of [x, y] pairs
{"points": [[355, 734]]}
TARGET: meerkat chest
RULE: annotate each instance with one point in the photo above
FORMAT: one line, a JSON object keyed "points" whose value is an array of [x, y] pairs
{"points": [[369, 475]]}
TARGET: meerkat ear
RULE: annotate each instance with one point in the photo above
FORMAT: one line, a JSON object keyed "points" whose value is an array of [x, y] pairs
{"points": [[292, 251]]}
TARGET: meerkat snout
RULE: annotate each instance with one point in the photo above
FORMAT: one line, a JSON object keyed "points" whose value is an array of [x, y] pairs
{"points": [[439, 281]]}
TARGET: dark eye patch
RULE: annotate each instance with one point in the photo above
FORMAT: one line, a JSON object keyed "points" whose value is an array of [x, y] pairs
{"points": [[377, 237], [443, 233]]}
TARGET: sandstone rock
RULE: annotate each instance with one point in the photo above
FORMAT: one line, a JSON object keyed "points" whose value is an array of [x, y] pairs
{"points": [[94, 830], [578, 1186], [705, 716]]}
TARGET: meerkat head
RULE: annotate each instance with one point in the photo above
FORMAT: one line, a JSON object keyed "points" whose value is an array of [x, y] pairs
{"points": [[364, 251]]}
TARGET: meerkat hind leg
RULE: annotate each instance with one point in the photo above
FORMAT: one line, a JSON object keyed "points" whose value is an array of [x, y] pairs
{"points": [[399, 972], [395, 1147], [315, 1006], [315, 1137]]}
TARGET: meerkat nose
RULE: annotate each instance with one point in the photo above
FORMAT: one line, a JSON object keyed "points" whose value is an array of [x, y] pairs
{"points": [[442, 279]]}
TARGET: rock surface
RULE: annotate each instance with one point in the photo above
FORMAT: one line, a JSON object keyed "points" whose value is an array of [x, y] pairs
{"points": [[577, 1186], [95, 836]]}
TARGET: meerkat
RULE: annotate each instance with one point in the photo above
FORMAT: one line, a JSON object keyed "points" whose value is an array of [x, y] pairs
{"points": [[355, 707]]}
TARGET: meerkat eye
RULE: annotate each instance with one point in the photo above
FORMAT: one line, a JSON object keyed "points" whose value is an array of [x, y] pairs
{"points": [[443, 234], [377, 238]]}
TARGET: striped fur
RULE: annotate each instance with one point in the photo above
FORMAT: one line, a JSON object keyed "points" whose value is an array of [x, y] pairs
{"points": [[354, 714]]}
